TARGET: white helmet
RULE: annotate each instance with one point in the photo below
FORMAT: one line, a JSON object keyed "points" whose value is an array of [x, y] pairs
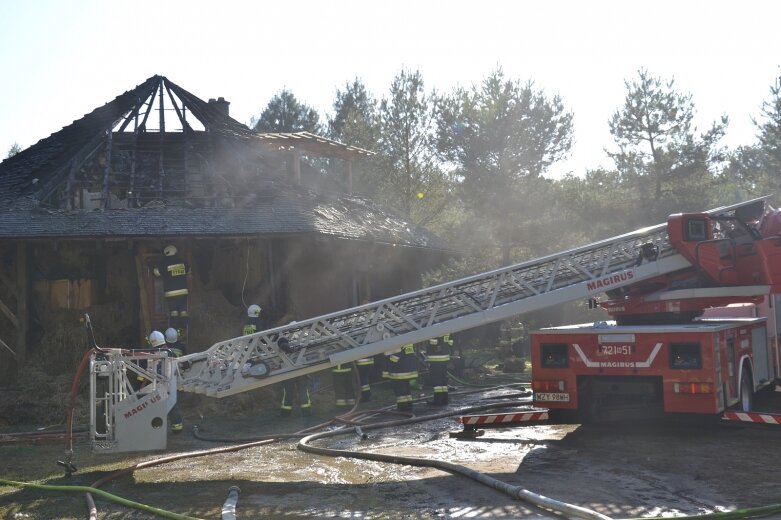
{"points": [[170, 250], [253, 311], [171, 336], [156, 338]]}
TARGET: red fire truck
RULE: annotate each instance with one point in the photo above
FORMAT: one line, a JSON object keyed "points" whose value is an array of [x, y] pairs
{"points": [[699, 340]]}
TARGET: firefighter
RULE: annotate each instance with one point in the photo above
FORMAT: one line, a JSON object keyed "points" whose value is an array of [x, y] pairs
{"points": [[295, 389], [173, 344], [401, 369], [155, 340], [344, 394], [173, 270], [158, 341], [365, 367], [511, 331], [438, 357], [177, 349], [254, 322]]}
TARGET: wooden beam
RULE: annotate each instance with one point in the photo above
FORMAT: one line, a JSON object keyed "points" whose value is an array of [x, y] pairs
{"points": [[11, 286], [21, 300], [146, 321], [271, 273], [9, 314], [296, 167], [4, 344], [132, 195], [133, 116], [162, 109], [68, 197], [80, 158], [106, 169], [148, 110], [349, 173], [185, 125], [161, 163]]}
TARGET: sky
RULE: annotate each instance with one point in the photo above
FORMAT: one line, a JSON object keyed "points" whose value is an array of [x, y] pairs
{"points": [[62, 59]]}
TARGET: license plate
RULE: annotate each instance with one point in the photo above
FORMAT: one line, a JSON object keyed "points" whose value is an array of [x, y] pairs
{"points": [[552, 397]]}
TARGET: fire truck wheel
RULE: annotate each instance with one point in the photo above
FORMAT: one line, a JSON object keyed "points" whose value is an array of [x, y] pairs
{"points": [[746, 393]]}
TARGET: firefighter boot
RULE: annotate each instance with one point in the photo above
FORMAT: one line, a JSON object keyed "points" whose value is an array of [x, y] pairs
{"points": [[404, 407]]}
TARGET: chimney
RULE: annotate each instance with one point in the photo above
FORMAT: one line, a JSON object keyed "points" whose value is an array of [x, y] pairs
{"points": [[221, 105]]}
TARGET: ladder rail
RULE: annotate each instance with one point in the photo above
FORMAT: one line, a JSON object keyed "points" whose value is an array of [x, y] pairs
{"points": [[379, 326]]}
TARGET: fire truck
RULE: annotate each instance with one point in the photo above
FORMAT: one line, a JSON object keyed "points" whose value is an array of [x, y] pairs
{"points": [[698, 340], [659, 277]]}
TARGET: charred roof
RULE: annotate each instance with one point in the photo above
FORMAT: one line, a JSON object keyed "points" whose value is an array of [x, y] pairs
{"points": [[159, 161]]}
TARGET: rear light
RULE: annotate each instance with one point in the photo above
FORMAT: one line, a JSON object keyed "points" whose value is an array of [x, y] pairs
{"points": [[693, 388], [548, 386]]}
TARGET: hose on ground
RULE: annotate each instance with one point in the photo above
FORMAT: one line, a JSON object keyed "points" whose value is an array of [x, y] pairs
{"points": [[109, 496], [753, 512], [229, 507], [466, 383], [163, 460], [513, 491], [345, 418], [83, 364]]}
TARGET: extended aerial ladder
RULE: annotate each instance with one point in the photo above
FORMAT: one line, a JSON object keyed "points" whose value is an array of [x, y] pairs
{"points": [[247, 362]]}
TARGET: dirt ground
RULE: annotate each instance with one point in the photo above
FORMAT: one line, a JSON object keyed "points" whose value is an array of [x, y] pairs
{"points": [[660, 469]]}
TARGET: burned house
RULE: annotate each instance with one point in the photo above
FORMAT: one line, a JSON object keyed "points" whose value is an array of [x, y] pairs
{"points": [[87, 211]]}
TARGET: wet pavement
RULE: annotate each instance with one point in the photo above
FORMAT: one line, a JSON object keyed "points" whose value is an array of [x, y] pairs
{"points": [[668, 468]]}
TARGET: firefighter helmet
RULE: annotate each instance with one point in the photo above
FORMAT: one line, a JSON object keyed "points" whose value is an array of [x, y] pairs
{"points": [[156, 338], [170, 250], [253, 311], [171, 336]]}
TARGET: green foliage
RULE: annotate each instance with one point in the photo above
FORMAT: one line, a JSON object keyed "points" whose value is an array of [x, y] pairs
{"points": [[756, 169], [499, 138], [15, 149], [284, 113], [664, 163], [355, 120], [470, 165], [769, 126], [598, 205], [410, 178]]}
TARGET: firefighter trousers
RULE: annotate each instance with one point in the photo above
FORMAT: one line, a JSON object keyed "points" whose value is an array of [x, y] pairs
{"points": [[437, 371], [343, 385], [292, 389], [364, 375]]}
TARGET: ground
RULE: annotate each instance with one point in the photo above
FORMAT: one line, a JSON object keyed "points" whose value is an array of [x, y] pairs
{"points": [[664, 468]]}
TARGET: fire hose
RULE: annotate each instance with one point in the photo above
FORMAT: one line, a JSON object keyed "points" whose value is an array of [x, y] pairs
{"points": [[513, 491], [229, 507], [354, 419], [104, 494]]}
